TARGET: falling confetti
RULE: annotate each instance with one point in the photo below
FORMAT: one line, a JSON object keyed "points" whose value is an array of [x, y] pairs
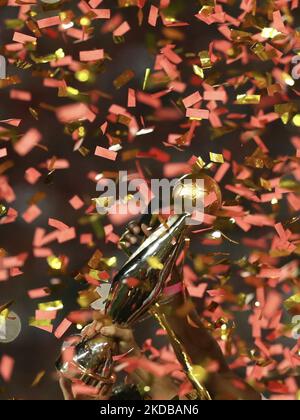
{"points": [[153, 89]]}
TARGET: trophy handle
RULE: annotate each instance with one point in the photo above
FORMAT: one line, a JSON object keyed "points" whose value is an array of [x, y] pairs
{"points": [[181, 354]]}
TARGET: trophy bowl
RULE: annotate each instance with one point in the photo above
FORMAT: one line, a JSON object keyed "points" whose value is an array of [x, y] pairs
{"points": [[89, 361]]}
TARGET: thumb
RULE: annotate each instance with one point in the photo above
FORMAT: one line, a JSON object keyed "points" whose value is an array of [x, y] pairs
{"points": [[115, 332], [66, 387]]}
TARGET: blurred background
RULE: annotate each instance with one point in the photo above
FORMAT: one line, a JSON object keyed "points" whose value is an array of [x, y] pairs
{"points": [[35, 351]]}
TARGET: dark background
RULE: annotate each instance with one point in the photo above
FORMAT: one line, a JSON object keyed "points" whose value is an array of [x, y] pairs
{"points": [[35, 350]]}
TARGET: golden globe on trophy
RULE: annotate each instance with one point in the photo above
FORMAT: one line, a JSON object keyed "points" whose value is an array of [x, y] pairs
{"points": [[91, 360]]}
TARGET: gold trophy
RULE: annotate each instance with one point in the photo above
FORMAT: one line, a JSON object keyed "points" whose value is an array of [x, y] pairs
{"points": [[91, 360]]}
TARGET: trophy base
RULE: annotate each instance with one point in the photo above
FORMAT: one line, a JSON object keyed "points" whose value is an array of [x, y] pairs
{"points": [[88, 361]]}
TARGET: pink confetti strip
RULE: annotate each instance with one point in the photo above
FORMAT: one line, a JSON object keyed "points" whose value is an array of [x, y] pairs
{"points": [[21, 95], [32, 175], [38, 293], [22, 38], [7, 364], [62, 328], [122, 29], [28, 142], [197, 113], [153, 15], [76, 202], [48, 22], [105, 153], [93, 55], [75, 112], [95, 3], [31, 214]]}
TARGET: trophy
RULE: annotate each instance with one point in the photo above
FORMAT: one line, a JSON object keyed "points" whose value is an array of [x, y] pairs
{"points": [[91, 360]]}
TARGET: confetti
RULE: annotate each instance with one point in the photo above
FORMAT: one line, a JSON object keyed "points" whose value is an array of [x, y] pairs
{"points": [[3, 152], [105, 153], [28, 142], [133, 85], [91, 55]]}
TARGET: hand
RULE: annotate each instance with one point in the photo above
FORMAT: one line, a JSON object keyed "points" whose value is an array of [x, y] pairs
{"points": [[124, 336], [134, 234], [102, 393]]}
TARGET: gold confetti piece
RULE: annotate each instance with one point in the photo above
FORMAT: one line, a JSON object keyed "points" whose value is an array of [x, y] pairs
{"points": [[296, 120], [72, 91], [85, 21], [39, 322], [216, 157], [292, 301], [199, 164], [198, 71], [54, 262], [260, 51], [205, 60], [38, 378], [248, 99], [110, 262], [240, 36], [51, 306], [288, 79], [199, 373], [34, 113], [266, 184], [127, 3], [22, 64], [5, 166], [3, 253], [3, 210], [285, 111], [4, 314], [155, 263], [129, 154], [86, 297], [83, 75], [9, 81], [4, 308], [123, 79], [95, 261], [14, 24], [146, 78], [207, 10], [37, 197]]}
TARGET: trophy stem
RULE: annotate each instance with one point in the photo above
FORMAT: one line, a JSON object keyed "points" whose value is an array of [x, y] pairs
{"points": [[181, 353]]}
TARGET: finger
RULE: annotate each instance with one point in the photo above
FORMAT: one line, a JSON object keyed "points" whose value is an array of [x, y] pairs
{"points": [[146, 230], [98, 327], [66, 387], [87, 331], [106, 390], [131, 239], [134, 228], [115, 332], [99, 316]]}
